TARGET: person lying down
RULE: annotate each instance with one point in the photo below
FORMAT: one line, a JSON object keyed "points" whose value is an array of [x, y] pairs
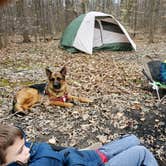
{"points": [[124, 151]]}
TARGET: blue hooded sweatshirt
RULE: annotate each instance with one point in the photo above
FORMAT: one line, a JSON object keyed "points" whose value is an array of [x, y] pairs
{"points": [[42, 154]]}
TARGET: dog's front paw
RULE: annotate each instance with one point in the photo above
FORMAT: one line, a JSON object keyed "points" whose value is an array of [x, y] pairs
{"points": [[89, 101], [60, 103], [68, 105], [46, 103], [85, 100]]}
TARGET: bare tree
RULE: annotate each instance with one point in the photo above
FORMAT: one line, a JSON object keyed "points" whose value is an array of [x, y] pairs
{"points": [[22, 19], [3, 32], [135, 17], [84, 4], [151, 20], [36, 13]]}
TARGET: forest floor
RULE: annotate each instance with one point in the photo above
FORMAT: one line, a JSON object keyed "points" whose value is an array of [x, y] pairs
{"points": [[121, 104]]}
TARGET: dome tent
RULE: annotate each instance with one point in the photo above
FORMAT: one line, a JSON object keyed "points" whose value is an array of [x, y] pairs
{"points": [[96, 31]]}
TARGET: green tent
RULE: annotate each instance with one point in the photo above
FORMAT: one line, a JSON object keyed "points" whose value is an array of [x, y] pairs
{"points": [[96, 31]]}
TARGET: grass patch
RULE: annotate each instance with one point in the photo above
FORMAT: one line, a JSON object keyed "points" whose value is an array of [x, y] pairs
{"points": [[4, 82]]}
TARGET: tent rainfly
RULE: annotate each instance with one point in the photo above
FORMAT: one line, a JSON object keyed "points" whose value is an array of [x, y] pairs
{"points": [[96, 31]]}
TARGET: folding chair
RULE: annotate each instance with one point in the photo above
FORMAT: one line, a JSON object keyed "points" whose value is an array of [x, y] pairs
{"points": [[151, 71]]}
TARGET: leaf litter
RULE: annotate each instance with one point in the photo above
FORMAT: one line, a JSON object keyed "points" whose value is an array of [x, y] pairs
{"points": [[113, 80]]}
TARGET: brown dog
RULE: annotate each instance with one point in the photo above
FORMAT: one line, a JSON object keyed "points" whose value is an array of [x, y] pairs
{"points": [[56, 92]]}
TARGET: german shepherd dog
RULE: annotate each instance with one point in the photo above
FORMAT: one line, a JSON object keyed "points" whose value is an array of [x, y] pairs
{"points": [[55, 91]]}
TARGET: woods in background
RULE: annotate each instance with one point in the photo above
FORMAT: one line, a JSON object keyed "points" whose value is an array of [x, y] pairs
{"points": [[46, 19]]}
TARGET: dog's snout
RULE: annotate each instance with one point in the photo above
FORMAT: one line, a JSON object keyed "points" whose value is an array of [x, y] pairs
{"points": [[57, 85]]}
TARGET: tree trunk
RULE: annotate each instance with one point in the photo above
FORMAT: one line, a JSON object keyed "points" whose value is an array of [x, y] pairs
{"points": [[84, 6], [26, 38], [151, 21], [21, 14], [135, 18], [1, 41]]}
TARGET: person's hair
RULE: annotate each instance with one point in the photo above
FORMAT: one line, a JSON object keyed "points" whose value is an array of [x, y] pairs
{"points": [[8, 134]]}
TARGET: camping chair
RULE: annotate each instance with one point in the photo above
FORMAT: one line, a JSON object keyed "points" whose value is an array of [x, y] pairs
{"points": [[151, 71]]}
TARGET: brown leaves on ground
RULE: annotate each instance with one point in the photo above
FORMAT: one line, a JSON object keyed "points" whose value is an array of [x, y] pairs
{"points": [[112, 79]]}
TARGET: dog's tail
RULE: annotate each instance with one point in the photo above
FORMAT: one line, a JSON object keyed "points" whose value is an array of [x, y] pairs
{"points": [[13, 110]]}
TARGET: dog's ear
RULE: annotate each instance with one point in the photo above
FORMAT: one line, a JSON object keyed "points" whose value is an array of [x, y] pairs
{"points": [[48, 73], [63, 71]]}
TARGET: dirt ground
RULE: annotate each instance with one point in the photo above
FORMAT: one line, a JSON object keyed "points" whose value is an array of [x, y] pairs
{"points": [[121, 104]]}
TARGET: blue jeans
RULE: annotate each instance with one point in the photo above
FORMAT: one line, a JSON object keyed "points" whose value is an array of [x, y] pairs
{"points": [[127, 151]]}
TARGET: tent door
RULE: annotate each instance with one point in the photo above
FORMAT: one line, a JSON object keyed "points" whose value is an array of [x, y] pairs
{"points": [[98, 37], [111, 32]]}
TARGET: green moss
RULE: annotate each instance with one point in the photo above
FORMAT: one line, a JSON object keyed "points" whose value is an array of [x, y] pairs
{"points": [[4, 82], [25, 83], [22, 83], [138, 81]]}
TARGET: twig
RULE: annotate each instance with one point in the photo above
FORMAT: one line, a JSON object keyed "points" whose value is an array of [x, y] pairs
{"points": [[9, 116]]}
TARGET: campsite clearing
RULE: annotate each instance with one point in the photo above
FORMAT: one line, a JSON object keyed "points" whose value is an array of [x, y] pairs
{"points": [[122, 104]]}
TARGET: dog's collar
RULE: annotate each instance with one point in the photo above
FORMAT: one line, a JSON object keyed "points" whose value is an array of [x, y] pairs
{"points": [[62, 98]]}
